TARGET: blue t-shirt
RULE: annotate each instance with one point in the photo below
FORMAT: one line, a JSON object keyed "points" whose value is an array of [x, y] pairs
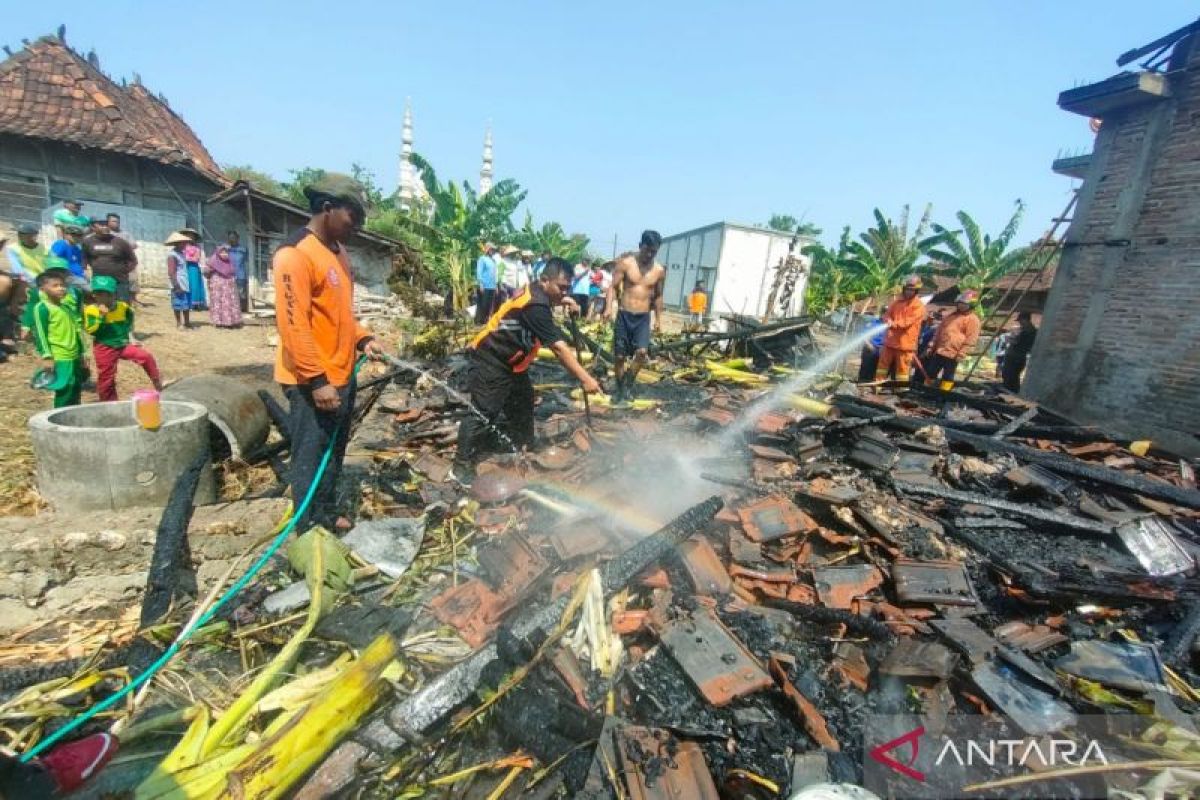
{"points": [[70, 253], [582, 284], [485, 272]]}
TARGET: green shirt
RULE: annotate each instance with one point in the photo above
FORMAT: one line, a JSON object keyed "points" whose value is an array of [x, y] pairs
{"points": [[57, 331], [111, 329], [63, 218]]}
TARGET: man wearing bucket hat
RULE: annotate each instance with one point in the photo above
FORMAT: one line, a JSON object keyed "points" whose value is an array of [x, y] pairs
{"points": [[954, 338], [903, 319], [319, 339]]}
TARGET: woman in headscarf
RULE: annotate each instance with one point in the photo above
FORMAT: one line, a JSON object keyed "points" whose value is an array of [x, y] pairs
{"points": [[193, 254], [224, 306], [177, 276]]}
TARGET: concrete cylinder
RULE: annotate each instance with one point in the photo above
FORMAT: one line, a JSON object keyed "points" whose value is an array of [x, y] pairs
{"points": [[234, 409], [96, 456]]}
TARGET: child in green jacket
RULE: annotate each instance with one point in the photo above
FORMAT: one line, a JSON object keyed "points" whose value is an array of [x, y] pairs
{"points": [[58, 335]]}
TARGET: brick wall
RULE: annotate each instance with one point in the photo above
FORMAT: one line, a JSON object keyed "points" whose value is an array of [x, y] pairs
{"points": [[1120, 340]]}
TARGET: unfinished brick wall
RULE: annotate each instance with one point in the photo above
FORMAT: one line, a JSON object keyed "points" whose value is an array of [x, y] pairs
{"points": [[1120, 340]]}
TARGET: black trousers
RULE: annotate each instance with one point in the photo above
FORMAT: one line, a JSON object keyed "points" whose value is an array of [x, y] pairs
{"points": [[1010, 371], [311, 431], [940, 367], [483, 308], [868, 360], [495, 390], [582, 300]]}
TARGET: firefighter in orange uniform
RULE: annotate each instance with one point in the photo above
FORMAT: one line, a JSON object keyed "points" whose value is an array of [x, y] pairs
{"points": [[500, 355], [953, 339], [903, 319]]}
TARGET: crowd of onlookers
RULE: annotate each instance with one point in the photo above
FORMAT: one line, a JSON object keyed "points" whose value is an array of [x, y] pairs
{"points": [[85, 284], [501, 272]]}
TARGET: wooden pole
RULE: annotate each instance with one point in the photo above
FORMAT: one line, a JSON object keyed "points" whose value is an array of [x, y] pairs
{"points": [[252, 282]]}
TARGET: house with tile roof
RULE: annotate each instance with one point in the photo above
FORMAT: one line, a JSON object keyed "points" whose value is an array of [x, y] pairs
{"points": [[69, 131]]}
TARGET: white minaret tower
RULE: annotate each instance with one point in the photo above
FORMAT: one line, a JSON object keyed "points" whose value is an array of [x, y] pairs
{"points": [[485, 172], [408, 175]]}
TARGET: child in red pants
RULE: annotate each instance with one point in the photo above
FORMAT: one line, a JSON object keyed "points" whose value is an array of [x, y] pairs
{"points": [[110, 322]]}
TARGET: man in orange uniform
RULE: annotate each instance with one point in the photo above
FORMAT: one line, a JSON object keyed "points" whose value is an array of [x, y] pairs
{"points": [[319, 340], [903, 319], [953, 339]]}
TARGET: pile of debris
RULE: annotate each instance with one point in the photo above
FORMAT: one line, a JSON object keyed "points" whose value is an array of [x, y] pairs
{"points": [[722, 597]]}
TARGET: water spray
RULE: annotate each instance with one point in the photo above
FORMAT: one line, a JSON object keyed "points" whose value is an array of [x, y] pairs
{"points": [[797, 383]]}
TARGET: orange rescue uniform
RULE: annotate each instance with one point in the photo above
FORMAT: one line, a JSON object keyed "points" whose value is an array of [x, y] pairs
{"points": [[697, 302], [957, 334], [314, 296], [900, 341]]}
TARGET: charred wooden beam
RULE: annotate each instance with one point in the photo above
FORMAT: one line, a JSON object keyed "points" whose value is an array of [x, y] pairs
{"points": [[1016, 509]]}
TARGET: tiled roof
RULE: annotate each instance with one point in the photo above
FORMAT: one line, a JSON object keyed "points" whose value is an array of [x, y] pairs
{"points": [[47, 91]]}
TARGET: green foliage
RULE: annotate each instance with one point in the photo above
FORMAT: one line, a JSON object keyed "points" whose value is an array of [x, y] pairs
{"points": [[782, 222], [886, 253], [832, 280], [258, 180], [973, 257], [786, 223], [550, 237], [301, 179]]}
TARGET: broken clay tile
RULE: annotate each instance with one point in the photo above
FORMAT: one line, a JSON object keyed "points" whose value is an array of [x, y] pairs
{"points": [[774, 517], [811, 718], [771, 453], [765, 573], [764, 471], [718, 665], [656, 579], [941, 582], [967, 637], [743, 551], [567, 666], [656, 766], [827, 491], [511, 565], [718, 417], [578, 538], [800, 593], [409, 415], [471, 608], [432, 466], [776, 590], [727, 514], [497, 517], [1030, 638], [838, 586], [1093, 449], [772, 423], [563, 584], [581, 440], [704, 566], [630, 621], [851, 663], [911, 658]]}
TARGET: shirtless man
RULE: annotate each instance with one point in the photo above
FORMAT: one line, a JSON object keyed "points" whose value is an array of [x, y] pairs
{"points": [[637, 280]]}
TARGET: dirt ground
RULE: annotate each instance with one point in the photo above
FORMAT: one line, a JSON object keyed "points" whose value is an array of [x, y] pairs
{"points": [[247, 353]]}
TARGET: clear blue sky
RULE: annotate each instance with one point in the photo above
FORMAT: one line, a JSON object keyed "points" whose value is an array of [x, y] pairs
{"points": [[620, 116]]}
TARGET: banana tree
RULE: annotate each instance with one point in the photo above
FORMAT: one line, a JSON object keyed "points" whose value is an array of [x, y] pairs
{"points": [[832, 280], [550, 237], [980, 259], [884, 254]]}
